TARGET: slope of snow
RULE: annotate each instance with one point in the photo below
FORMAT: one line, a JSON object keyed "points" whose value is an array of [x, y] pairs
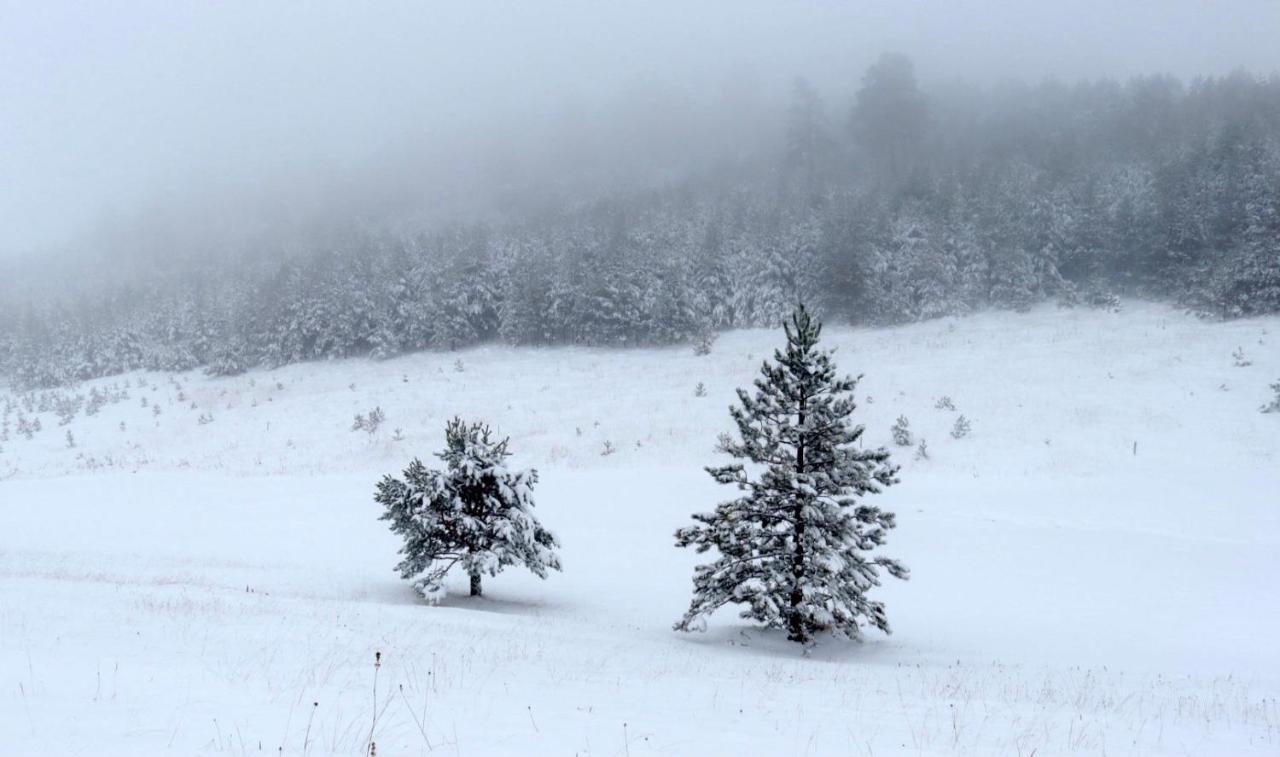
{"points": [[1094, 566]]}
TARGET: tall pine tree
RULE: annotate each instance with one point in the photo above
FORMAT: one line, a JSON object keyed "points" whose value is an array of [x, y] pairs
{"points": [[476, 513], [795, 547]]}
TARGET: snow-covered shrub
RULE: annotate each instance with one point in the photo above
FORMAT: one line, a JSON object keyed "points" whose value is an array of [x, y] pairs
{"points": [[704, 342], [944, 403], [1274, 405], [607, 449], [28, 428], [97, 401], [476, 513], [1102, 300], [901, 432], [369, 422], [961, 428], [700, 390], [67, 406], [1094, 295], [922, 450], [1239, 358]]}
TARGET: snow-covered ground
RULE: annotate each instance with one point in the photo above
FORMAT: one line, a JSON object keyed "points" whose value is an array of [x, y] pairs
{"points": [[1095, 568]]}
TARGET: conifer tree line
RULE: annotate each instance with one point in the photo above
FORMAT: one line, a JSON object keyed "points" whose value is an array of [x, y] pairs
{"points": [[795, 548], [890, 204]]}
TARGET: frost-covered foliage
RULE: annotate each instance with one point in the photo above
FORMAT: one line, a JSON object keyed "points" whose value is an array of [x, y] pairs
{"points": [[795, 548], [28, 428], [1274, 405], [67, 407], [902, 432], [1075, 194], [231, 358], [369, 422], [961, 428], [476, 513]]}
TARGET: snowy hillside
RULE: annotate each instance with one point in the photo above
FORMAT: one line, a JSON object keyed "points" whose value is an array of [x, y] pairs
{"points": [[197, 564]]}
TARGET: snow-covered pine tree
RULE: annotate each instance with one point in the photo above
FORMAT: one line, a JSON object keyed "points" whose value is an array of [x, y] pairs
{"points": [[1274, 405], [902, 432], [794, 549], [475, 513]]}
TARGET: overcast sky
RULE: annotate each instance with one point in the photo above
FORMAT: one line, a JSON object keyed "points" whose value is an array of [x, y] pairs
{"points": [[110, 108]]}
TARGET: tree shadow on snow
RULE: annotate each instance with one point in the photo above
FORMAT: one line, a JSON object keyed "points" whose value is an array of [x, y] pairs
{"points": [[401, 593], [391, 593], [754, 640], [496, 603]]}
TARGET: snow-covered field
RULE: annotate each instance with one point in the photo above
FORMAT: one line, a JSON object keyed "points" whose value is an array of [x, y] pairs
{"points": [[1095, 568]]}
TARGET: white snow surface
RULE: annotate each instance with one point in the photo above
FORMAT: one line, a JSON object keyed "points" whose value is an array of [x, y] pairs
{"points": [[223, 587]]}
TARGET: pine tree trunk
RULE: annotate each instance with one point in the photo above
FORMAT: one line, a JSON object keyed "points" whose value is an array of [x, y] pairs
{"points": [[475, 585], [795, 624]]}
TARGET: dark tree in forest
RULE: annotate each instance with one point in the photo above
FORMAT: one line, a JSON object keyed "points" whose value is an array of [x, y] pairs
{"points": [[890, 115]]}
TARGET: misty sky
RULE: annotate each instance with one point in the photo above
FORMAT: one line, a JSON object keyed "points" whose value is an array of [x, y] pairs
{"points": [[111, 109]]}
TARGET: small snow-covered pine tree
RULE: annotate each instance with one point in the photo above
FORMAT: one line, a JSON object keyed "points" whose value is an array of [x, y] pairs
{"points": [[475, 513], [902, 432], [795, 547], [1274, 405]]}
